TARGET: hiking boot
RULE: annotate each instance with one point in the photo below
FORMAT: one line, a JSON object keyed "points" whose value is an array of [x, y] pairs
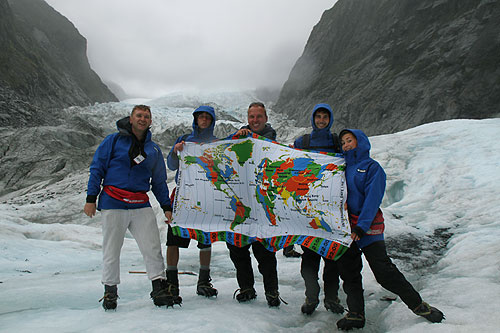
{"points": [[109, 298], [309, 306], [429, 312], [334, 305], [172, 285], [290, 252], [164, 293], [273, 298], [351, 320], [245, 295], [204, 287], [174, 290]]}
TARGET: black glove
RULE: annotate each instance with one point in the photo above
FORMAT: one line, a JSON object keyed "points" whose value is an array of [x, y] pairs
{"points": [[166, 208], [358, 231]]}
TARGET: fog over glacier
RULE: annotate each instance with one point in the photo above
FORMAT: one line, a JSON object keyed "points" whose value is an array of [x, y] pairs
{"points": [[151, 47], [442, 230]]}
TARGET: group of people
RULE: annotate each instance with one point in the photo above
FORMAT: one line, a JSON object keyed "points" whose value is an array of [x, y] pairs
{"points": [[127, 164]]}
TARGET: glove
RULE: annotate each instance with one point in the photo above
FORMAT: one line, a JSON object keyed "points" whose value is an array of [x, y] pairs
{"points": [[358, 231]]}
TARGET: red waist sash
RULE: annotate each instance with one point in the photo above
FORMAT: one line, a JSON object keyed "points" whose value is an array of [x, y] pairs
{"points": [[376, 228], [126, 196]]}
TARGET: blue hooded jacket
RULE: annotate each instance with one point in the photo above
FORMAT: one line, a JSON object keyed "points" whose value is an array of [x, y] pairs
{"points": [[321, 139], [112, 165], [365, 185], [197, 135]]}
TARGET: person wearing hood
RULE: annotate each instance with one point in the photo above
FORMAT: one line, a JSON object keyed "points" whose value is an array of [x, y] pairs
{"points": [[320, 139], [127, 165], [203, 131], [240, 256], [366, 181]]}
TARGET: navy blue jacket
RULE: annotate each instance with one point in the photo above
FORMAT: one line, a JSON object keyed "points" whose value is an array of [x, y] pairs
{"points": [[112, 165], [365, 180], [197, 135], [319, 137]]}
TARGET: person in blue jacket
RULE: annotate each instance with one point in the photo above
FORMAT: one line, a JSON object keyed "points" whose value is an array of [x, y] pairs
{"points": [[127, 165], [203, 131], [366, 180], [320, 139]]}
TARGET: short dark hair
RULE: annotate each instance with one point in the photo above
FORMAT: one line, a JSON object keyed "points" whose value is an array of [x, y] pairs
{"points": [[259, 105], [344, 132], [322, 110], [141, 107]]}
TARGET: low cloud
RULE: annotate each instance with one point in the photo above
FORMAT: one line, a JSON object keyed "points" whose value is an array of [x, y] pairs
{"points": [[153, 47]]}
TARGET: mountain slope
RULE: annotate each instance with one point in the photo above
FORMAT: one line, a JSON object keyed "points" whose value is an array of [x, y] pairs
{"points": [[389, 65], [43, 60]]}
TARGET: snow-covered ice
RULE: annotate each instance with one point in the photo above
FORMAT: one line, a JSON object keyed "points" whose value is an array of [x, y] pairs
{"points": [[442, 188]]}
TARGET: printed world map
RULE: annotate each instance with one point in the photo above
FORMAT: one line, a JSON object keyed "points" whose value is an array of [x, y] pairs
{"points": [[261, 189]]}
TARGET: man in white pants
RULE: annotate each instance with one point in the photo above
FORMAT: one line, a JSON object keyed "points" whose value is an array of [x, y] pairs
{"points": [[127, 164]]}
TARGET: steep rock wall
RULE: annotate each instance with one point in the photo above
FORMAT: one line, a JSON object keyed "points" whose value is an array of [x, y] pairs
{"points": [[389, 65], [43, 60]]}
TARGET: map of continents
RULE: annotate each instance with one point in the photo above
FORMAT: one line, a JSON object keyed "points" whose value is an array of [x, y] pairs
{"points": [[220, 172], [260, 189]]}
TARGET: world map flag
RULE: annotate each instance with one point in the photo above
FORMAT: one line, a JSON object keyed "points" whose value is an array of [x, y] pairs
{"points": [[252, 189]]}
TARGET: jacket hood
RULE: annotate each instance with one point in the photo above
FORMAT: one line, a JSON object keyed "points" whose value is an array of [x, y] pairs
{"points": [[207, 133], [362, 151], [326, 107], [125, 128]]}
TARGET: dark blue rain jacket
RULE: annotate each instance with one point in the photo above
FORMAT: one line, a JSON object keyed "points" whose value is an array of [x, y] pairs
{"points": [[197, 135], [365, 186]]}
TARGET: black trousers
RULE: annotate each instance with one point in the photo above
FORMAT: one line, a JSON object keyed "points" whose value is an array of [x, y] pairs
{"points": [[309, 268], [385, 272], [240, 256]]}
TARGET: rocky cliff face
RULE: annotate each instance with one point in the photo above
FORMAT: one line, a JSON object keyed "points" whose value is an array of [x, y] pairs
{"points": [[43, 68], [46, 154], [389, 65], [43, 62]]}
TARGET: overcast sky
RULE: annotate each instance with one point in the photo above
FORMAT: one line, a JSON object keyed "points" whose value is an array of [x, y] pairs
{"points": [[152, 47]]}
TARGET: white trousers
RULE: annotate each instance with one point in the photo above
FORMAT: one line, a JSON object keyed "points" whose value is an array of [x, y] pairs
{"points": [[142, 225]]}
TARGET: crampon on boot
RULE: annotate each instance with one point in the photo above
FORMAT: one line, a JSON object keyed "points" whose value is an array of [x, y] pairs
{"points": [[110, 297], [273, 298], [334, 305], [245, 295], [351, 320], [204, 287], [163, 293], [172, 285], [309, 306], [429, 312]]}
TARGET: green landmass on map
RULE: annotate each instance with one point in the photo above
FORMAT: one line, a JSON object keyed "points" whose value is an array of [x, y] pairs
{"points": [[218, 170], [284, 178], [243, 151]]}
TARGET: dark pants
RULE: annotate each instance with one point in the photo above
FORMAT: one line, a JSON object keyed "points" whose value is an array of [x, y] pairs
{"points": [[309, 269], [173, 240], [240, 256], [385, 272]]}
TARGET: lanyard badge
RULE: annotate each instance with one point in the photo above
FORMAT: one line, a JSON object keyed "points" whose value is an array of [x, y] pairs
{"points": [[139, 158]]}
